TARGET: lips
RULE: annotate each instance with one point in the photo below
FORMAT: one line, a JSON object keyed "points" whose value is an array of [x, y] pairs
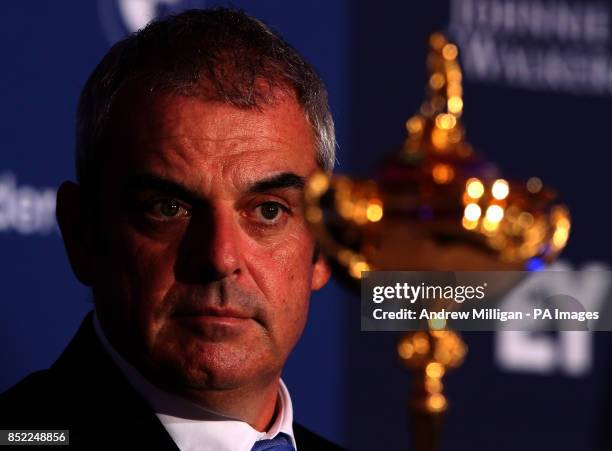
{"points": [[221, 312], [214, 324]]}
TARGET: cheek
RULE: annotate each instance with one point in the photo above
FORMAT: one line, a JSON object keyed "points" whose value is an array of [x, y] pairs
{"points": [[286, 266], [152, 267], [283, 273], [141, 273]]}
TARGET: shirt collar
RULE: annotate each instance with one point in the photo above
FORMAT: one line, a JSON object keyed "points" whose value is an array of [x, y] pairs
{"points": [[193, 427]]}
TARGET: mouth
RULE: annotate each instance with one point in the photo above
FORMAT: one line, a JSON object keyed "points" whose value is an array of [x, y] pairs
{"points": [[214, 321], [213, 312]]}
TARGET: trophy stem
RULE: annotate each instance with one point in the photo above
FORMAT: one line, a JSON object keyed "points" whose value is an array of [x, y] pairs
{"points": [[429, 354], [426, 430]]}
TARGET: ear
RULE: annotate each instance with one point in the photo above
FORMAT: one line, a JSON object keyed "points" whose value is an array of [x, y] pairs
{"points": [[321, 272], [74, 221]]}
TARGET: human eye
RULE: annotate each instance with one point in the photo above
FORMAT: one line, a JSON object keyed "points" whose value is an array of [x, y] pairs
{"points": [[168, 209], [270, 213]]}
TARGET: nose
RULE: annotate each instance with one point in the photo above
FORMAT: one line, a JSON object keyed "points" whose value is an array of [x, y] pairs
{"points": [[210, 250], [223, 252]]}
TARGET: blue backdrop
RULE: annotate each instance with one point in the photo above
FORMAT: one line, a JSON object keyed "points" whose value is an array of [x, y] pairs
{"points": [[538, 97]]}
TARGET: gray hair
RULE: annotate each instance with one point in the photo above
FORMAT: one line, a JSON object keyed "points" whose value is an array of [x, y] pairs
{"points": [[218, 54]]}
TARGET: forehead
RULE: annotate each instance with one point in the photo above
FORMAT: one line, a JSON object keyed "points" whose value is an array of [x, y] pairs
{"points": [[189, 138]]}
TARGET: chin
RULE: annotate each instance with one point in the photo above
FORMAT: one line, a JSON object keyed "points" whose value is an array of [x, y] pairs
{"points": [[214, 366]]}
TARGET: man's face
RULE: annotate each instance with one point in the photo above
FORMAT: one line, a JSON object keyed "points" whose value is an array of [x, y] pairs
{"points": [[205, 262]]}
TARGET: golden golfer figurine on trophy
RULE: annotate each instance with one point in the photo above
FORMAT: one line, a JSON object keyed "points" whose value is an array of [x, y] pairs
{"points": [[435, 206]]}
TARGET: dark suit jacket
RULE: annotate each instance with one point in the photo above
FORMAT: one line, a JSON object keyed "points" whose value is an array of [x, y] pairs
{"points": [[85, 392]]}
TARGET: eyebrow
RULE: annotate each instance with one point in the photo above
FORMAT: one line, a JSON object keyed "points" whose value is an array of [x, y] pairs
{"points": [[142, 182], [153, 182], [283, 180]]}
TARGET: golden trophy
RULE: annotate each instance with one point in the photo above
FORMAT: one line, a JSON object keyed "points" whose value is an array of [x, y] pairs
{"points": [[434, 205]]}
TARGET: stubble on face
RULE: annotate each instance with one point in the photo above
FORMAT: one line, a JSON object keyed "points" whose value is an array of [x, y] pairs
{"points": [[215, 353]]}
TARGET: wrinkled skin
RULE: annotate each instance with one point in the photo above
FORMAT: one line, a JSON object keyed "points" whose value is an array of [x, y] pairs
{"points": [[198, 252]]}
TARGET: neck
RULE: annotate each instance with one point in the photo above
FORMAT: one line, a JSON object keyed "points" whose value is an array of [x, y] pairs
{"points": [[255, 403], [256, 406]]}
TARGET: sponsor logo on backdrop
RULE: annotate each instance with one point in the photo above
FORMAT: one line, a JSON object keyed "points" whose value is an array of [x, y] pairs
{"points": [[561, 46], [122, 17], [25, 209], [568, 352]]}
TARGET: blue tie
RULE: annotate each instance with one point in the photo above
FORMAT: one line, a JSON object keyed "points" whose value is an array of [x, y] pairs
{"points": [[281, 442]]}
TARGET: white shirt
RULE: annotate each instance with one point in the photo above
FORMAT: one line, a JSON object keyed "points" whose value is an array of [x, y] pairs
{"points": [[192, 427]]}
